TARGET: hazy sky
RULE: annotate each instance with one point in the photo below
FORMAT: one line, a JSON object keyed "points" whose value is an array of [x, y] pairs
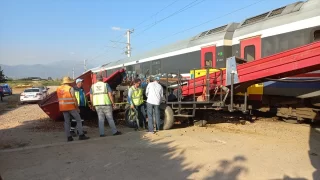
{"points": [[43, 31]]}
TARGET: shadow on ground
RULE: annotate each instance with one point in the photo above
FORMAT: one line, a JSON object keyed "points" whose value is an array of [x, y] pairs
{"points": [[129, 156], [228, 169], [314, 152]]}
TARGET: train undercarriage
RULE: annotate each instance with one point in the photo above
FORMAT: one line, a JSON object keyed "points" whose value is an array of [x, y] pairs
{"points": [[204, 98], [208, 97], [196, 110]]}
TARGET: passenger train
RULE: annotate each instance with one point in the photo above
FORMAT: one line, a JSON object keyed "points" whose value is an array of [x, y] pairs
{"points": [[263, 35]]}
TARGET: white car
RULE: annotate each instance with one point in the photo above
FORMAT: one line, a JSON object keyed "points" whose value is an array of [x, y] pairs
{"points": [[32, 95], [44, 89]]}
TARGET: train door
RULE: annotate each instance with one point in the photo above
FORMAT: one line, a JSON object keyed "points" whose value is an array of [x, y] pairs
{"points": [[251, 48], [208, 56]]}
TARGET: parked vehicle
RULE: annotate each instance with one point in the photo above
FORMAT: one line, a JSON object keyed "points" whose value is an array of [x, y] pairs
{"points": [[32, 95], [43, 89], [7, 90]]}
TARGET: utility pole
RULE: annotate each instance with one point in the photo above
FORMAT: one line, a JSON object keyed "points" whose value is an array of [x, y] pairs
{"points": [[128, 52], [73, 73], [85, 65]]}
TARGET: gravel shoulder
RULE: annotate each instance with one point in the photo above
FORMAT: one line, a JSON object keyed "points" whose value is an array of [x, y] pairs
{"points": [[27, 125]]}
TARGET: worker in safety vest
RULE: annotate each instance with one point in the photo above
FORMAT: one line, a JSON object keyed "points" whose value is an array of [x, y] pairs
{"points": [[69, 107], [83, 105], [135, 98], [102, 100]]}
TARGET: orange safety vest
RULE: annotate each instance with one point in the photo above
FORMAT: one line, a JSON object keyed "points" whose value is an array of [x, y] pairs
{"points": [[66, 101]]}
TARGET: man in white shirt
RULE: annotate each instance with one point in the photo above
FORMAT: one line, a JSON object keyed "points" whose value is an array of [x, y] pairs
{"points": [[154, 92]]}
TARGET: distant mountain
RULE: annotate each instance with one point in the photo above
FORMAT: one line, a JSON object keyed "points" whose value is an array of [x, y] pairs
{"points": [[55, 70]]}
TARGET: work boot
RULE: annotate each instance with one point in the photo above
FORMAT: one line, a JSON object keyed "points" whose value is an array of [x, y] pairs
{"points": [[73, 134], [138, 129], [117, 133], [70, 138], [84, 132], [83, 137]]}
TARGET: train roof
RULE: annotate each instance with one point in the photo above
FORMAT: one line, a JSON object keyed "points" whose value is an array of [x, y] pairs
{"points": [[299, 15], [220, 36]]}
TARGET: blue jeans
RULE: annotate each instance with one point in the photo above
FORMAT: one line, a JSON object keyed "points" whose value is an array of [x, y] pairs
{"points": [[156, 108], [105, 111], [141, 116]]}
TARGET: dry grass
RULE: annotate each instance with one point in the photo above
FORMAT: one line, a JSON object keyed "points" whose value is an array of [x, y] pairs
{"points": [[24, 84], [11, 102]]}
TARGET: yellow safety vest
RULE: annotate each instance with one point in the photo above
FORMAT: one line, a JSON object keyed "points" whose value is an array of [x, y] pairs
{"points": [[137, 96], [77, 94], [100, 94]]}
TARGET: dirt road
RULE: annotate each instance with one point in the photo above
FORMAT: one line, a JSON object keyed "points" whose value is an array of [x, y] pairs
{"points": [[189, 153], [33, 147]]}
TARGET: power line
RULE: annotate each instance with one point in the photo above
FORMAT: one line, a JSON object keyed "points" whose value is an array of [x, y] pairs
{"points": [[206, 22], [99, 55], [176, 12], [181, 10], [150, 26], [156, 13], [252, 4], [104, 50], [128, 51], [188, 6], [193, 3], [119, 37]]}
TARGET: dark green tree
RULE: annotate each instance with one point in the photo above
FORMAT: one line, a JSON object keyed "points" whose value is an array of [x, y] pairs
{"points": [[2, 76]]}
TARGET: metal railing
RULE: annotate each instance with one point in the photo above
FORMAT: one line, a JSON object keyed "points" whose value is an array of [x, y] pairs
{"points": [[206, 83]]}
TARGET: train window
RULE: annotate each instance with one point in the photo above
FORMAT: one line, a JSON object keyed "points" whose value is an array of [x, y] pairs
{"points": [[146, 68], [283, 44], [156, 66], [129, 68], [208, 57], [316, 35], [155, 62], [250, 53], [137, 68], [297, 40], [104, 73]]}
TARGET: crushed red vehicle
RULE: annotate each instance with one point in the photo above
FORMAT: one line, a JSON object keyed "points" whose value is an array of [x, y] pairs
{"points": [[50, 104]]}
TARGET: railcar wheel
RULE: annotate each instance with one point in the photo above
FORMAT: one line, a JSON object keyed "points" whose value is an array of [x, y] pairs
{"points": [[201, 123], [168, 119]]}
